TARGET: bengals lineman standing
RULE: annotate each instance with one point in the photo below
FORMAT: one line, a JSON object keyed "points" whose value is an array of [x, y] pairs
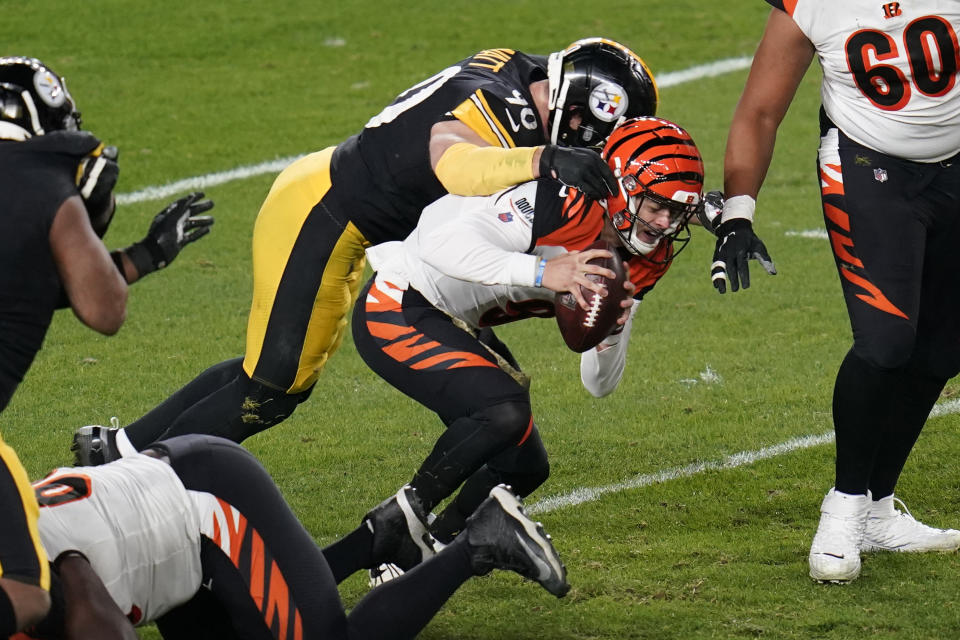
{"points": [[57, 185], [889, 176], [495, 119]]}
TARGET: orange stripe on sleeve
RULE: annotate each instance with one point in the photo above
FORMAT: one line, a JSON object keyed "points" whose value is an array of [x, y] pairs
{"points": [[837, 216]]}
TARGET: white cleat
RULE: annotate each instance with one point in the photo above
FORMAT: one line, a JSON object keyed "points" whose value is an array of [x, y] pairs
{"points": [[835, 551], [890, 529]]}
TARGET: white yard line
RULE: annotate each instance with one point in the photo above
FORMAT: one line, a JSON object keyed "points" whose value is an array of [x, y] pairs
{"points": [[162, 192], [743, 458]]}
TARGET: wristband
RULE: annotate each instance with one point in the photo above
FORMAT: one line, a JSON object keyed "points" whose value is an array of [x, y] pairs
{"points": [[538, 278], [738, 207]]}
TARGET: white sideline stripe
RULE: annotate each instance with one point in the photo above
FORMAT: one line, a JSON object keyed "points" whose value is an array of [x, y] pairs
{"points": [[709, 70], [817, 234], [743, 458], [669, 79]]}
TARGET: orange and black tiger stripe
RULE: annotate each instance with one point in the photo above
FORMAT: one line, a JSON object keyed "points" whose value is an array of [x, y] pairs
{"points": [[255, 563], [407, 345]]}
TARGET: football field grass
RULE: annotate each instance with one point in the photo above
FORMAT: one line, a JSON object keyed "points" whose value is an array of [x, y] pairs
{"points": [[666, 532]]}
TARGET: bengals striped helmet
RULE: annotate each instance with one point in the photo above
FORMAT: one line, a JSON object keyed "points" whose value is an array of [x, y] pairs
{"points": [[658, 167]]}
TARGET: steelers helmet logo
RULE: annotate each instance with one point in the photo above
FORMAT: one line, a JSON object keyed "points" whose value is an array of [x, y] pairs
{"points": [[49, 88], [608, 102]]}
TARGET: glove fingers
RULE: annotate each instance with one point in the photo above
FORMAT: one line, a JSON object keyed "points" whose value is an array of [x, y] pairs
{"points": [[194, 235], [200, 207], [718, 273], [194, 222], [743, 268], [760, 255]]}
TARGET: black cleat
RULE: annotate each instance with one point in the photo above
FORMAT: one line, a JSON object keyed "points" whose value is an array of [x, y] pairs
{"points": [[400, 534], [501, 536], [94, 445]]}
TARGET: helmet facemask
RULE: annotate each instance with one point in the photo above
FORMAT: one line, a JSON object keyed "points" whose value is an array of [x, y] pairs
{"points": [[628, 221]]}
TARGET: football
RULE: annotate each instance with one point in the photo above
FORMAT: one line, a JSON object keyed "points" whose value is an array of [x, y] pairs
{"points": [[583, 329]]}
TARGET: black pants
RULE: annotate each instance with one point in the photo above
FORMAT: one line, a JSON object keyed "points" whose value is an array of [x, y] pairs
{"points": [[894, 226], [490, 436], [263, 577]]}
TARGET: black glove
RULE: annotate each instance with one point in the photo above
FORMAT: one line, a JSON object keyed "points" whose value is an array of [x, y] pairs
{"points": [[582, 169], [98, 177], [171, 230], [736, 244]]}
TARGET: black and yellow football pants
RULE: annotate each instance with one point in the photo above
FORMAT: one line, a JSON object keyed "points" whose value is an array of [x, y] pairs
{"points": [[22, 557], [307, 267]]}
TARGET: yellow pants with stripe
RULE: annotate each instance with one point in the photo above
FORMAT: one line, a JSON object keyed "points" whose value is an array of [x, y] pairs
{"points": [[307, 268], [21, 555]]}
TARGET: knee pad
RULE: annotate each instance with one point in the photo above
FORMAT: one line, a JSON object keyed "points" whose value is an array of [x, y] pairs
{"points": [[511, 422]]}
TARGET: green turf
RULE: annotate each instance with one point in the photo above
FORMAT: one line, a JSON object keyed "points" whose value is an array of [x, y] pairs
{"points": [[187, 88]]}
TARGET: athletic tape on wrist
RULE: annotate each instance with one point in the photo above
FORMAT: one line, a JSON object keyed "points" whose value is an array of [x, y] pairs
{"points": [[738, 207]]}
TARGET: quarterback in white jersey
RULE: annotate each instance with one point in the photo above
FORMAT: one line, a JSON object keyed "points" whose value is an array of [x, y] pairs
{"points": [[480, 262], [889, 174]]}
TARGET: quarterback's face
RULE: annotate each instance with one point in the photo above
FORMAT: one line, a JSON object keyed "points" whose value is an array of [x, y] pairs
{"points": [[657, 218]]}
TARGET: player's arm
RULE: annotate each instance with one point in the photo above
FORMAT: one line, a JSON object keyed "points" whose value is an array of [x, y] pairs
{"points": [[468, 165], [91, 614], [602, 367], [782, 58], [477, 246], [95, 288], [474, 154]]}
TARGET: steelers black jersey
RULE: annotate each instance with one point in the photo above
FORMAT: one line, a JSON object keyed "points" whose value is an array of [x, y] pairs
{"points": [[36, 177], [382, 177]]}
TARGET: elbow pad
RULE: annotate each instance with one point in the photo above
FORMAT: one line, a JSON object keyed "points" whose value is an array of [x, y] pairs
{"points": [[468, 170]]}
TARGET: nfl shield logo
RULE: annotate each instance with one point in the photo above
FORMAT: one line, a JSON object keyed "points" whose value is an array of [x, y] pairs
{"points": [[880, 175]]}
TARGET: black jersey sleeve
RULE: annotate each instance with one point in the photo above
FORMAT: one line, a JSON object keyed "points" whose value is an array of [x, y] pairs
{"points": [[778, 4], [502, 115]]}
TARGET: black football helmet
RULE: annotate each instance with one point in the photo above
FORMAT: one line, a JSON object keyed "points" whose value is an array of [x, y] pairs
{"points": [[603, 83], [33, 100]]}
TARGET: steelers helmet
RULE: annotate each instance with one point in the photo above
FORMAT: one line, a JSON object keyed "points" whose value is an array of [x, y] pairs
{"points": [[600, 83], [33, 100], [654, 159]]}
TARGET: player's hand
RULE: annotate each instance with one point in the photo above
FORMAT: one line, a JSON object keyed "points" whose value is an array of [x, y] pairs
{"points": [[711, 212], [179, 224], [568, 273], [626, 303], [582, 169], [736, 245], [98, 177]]}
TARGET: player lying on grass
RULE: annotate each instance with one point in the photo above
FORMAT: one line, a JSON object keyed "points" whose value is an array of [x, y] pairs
{"points": [[423, 319], [195, 535]]}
